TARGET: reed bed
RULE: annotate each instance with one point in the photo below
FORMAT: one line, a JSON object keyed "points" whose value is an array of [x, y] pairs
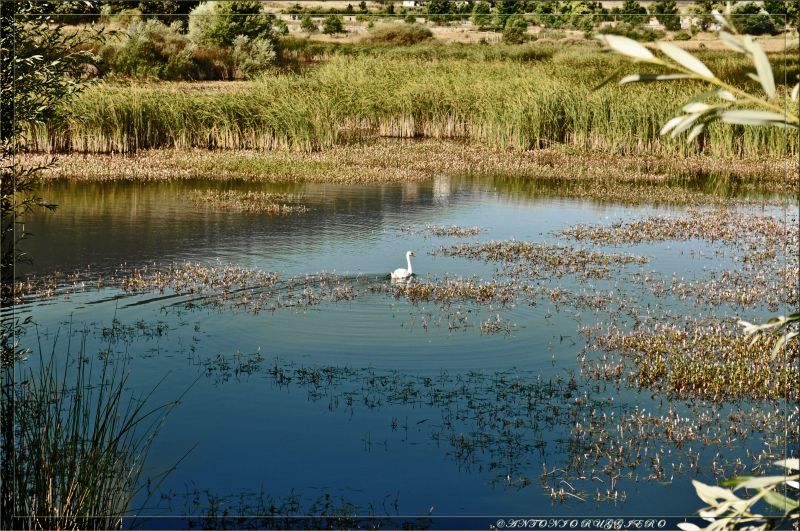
{"points": [[251, 202], [502, 104]]}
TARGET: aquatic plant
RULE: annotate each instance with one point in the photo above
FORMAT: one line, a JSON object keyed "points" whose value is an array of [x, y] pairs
{"points": [[502, 105], [253, 202], [79, 446]]}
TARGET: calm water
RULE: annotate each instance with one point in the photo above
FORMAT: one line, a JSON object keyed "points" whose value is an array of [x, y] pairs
{"points": [[404, 414]]}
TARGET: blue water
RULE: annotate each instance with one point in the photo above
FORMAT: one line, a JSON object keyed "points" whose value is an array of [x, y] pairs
{"points": [[389, 448]]}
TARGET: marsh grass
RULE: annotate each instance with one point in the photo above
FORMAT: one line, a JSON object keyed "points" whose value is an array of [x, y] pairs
{"points": [[78, 445], [252, 202], [502, 104]]}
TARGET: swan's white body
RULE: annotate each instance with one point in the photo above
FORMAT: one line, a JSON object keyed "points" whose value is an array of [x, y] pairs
{"points": [[401, 273]]}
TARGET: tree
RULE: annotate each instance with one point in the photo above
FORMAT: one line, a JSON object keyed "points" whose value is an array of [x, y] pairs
{"points": [[783, 10], [701, 12], [516, 30], [362, 5], [632, 12], [438, 10], [333, 24], [481, 15], [307, 24], [666, 12], [748, 17], [219, 23]]}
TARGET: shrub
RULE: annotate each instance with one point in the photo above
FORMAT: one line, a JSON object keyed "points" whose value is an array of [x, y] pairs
{"points": [[481, 15], [148, 47], [307, 24], [751, 19], [333, 24], [682, 36], [410, 19], [516, 30], [399, 34], [219, 23], [251, 57], [637, 33]]}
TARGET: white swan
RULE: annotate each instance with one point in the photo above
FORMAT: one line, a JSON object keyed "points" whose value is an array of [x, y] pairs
{"points": [[401, 273]]}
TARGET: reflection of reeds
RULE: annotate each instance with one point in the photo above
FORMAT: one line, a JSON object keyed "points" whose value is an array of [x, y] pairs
{"points": [[501, 104], [546, 172], [77, 448]]}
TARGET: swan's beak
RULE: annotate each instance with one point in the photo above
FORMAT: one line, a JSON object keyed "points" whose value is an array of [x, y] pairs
{"points": [[412, 254]]}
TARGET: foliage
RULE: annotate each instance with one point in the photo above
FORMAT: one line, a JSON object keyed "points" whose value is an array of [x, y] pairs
{"points": [[514, 98], [151, 49], [726, 510], [79, 449], [40, 66], [635, 32], [219, 23], [729, 104], [437, 9], [399, 34], [333, 24], [701, 12], [682, 36], [516, 30], [307, 24], [252, 56], [481, 14], [748, 17], [632, 12], [788, 10], [666, 12]]}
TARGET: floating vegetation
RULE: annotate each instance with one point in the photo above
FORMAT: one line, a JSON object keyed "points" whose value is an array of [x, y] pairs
{"points": [[545, 260], [457, 290], [506, 421], [762, 236], [710, 361], [443, 231], [251, 202]]}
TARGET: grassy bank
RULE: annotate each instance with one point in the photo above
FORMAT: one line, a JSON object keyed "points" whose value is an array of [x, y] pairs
{"points": [[556, 171], [500, 104]]}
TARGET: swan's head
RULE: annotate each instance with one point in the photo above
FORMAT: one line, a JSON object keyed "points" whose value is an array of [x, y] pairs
{"points": [[410, 253]]}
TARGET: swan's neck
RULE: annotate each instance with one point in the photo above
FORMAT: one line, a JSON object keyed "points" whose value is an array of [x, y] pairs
{"points": [[408, 259]]}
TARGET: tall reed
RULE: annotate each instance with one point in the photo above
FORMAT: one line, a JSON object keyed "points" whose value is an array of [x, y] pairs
{"points": [[77, 447], [507, 104]]}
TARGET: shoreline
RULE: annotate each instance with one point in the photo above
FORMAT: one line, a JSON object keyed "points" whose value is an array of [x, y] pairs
{"points": [[623, 178]]}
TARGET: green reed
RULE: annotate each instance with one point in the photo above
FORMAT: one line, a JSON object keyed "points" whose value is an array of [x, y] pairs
{"points": [[78, 445], [502, 104]]}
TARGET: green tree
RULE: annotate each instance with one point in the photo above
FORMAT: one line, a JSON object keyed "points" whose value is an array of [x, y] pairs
{"points": [[666, 12], [701, 10], [481, 15], [307, 24], [788, 10], [362, 5], [333, 24], [516, 30], [632, 12], [437, 10], [748, 17], [219, 23]]}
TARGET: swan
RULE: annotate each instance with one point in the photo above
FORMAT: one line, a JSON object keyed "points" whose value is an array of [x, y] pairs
{"points": [[401, 273]]}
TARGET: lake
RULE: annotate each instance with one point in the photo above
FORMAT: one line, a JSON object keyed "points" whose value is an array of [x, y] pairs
{"points": [[326, 390]]}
